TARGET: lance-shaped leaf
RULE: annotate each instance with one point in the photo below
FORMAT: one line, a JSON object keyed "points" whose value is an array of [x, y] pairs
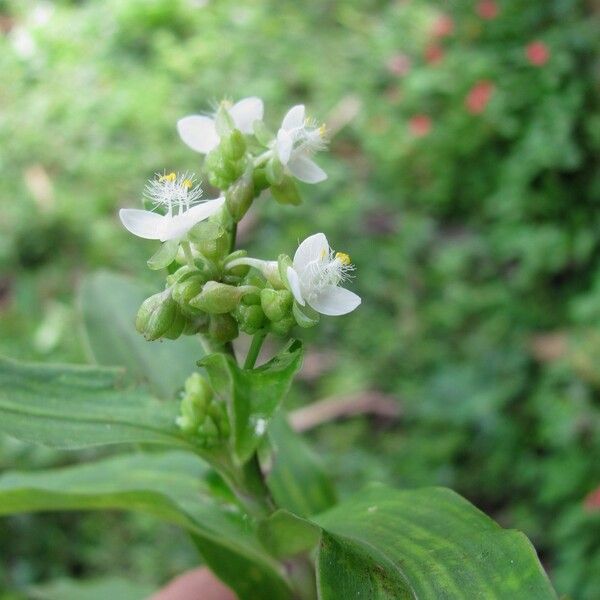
{"points": [[294, 474], [78, 406], [109, 304], [423, 544], [252, 395], [174, 486]]}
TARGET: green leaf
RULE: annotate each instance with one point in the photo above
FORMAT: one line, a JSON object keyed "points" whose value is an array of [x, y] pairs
{"points": [[174, 486], [252, 395], [286, 534], [295, 476], [79, 406], [164, 256], [426, 544], [109, 305], [93, 589]]}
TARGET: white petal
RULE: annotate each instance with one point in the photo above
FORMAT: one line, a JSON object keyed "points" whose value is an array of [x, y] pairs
{"points": [[245, 112], [143, 223], [306, 170], [198, 132], [314, 247], [177, 226], [294, 282], [294, 117], [335, 301], [284, 144]]}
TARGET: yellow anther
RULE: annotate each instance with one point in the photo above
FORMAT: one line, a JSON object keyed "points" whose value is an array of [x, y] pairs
{"points": [[323, 130], [171, 177], [343, 258], [187, 184]]}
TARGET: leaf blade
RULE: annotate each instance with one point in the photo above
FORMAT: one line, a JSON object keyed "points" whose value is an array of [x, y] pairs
{"points": [[430, 543], [79, 406]]}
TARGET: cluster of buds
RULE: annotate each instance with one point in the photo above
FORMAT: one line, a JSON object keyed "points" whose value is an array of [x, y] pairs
{"points": [[202, 416], [211, 288]]}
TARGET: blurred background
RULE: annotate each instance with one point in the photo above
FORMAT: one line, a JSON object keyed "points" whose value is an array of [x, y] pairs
{"points": [[462, 179]]}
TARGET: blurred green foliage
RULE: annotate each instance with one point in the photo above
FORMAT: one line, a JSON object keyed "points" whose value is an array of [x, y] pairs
{"points": [[462, 180]]}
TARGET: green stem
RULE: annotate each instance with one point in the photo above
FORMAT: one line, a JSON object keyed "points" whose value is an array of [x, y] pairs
{"points": [[255, 346], [233, 234]]}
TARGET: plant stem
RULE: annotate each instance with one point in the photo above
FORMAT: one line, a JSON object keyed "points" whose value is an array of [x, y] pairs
{"points": [[257, 342], [233, 236]]}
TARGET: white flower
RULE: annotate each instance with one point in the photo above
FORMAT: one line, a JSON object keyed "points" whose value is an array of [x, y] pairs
{"points": [[297, 140], [184, 208], [199, 131], [316, 274]]}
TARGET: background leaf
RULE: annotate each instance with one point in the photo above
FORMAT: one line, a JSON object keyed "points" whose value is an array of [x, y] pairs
{"points": [[427, 544], [174, 486], [78, 406], [295, 476], [109, 304], [252, 396]]}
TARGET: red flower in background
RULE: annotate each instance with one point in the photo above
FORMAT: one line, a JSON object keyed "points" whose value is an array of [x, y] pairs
{"points": [[479, 96], [592, 500], [398, 64], [487, 9], [434, 54], [419, 125], [537, 53], [443, 26]]}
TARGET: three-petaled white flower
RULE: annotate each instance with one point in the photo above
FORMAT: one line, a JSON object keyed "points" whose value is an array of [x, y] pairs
{"points": [[315, 276], [200, 133], [184, 208], [297, 140]]}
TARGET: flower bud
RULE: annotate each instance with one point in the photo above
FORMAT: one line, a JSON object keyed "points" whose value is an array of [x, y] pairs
{"points": [[283, 326], [210, 239], [250, 318], [233, 145], [276, 304], [239, 196], [184, 291], [156, 315], [259, 177], [274, 171], [177, 326], [222, 328], [286, 192], [223, 120], [305, 316], [194, 404], [219, 298]]}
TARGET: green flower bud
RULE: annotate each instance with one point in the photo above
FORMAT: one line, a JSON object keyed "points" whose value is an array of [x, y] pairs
{"points": [[219, 298], [210, 239], [195, 402], [259, 176], [283, 326], [177, 326], [222, 328], [156, 316], [223, 121], [276, 304], [305, 316], [181, 274], [223, 168], [239, 196], [184, 291], [250, 318], [286, 192], [196, 324], [233, 146], [274, 171]]}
